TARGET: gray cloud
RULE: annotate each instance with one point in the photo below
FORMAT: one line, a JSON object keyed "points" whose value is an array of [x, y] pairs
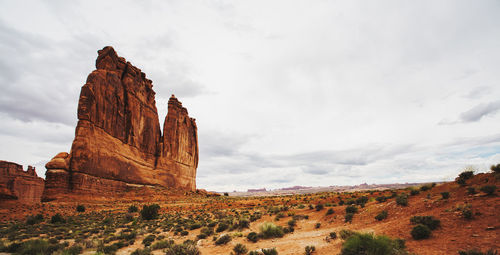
{"points": [[479, 111]]}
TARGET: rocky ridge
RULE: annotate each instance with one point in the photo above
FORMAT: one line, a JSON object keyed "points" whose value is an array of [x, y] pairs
{"points": [[118, 142]]}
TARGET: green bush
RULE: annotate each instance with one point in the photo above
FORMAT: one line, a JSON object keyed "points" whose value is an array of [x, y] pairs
{"points": [[464, 176], [346, 233], [269, 230], [429, 221], [148, 240], [420, 231], [35, 246], [57, 218], [319, 207], [489, 189], [333, 235], [73, 250], [32, 220], [133, 209], [292, 223], [222, 226], [310, 249], [414, 192], [445, 195], [240, 249], [270, 251], [183, 249], [318, 225], [80, 208], [402, 199], [224, 239], [471, 190], [330, 211], [348, 217], [382, 215], [495, 168], [145, 251], [368, 244], [150, 212], [361, 201], [253, 237], [425, 187], [162, 244], [351, 209]]}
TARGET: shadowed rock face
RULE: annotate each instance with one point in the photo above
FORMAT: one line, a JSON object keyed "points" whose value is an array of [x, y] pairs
{"points": [[118, 141], [17, 184]]}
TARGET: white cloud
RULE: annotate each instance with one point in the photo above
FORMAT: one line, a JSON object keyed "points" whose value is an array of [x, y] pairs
{"points": [[284, 92]]}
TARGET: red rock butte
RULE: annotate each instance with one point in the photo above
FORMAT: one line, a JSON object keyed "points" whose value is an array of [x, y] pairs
{"points": [[19, 185], [118, 142]]}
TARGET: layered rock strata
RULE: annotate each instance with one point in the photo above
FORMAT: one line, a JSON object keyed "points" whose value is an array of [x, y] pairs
{"points": [[17, 184], [118, 142]]}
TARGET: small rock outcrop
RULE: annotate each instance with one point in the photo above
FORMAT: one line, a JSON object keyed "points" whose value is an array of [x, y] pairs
{"points": [[17, 184], [118, 142]]}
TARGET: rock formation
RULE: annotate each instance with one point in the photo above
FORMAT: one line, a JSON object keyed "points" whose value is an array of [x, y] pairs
{"points": [[16, 184], [118, 142]]}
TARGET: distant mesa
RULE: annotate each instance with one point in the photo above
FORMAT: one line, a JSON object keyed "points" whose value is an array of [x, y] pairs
{"points": [[19, 185], [118, 143]]}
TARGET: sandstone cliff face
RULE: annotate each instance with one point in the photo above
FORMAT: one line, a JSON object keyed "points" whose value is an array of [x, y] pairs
{"points": [[16, 184], [118, 141]]}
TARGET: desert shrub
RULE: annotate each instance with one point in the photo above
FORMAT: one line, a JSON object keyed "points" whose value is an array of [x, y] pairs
{"points": [[464, 176], [478, 252], [222, 226], [162, 244], [292, 223], [150, 212], [420, 231], [207, 231], [253, 237], [32, 220], [346, 233], [330, 211], [467, 213], [471, 190], [184, 233], [73, 250], [361, 201], [317, 225], [381, 199], [445, 195], [489, 189], [148, 240], [133, 209], [351, 209], [80, 208], [57, 218], [319, 207], [269, 230], [402, 199], [369, 244], [226, 194], [310, 249], [183, 249], [414, 192], [195, 225], [224, 239], [35, 246], [382, 215], [495, 168], [145, 251], [348, 217], [243, 223], [425, 187], [270, 251], [240, 249], [429, 221]]}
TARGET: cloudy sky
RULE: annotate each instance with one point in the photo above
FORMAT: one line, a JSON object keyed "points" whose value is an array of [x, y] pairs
{"points": [[284, 92]]}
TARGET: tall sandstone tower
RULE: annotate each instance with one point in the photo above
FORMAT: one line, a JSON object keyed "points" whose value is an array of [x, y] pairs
{"points": [[118, 142]]}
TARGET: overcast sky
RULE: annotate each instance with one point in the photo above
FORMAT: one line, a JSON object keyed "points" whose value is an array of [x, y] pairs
{"points": [[284, 92]]}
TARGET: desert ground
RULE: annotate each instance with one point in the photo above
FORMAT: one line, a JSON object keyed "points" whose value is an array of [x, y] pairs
{"points": [[468, 219]]}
